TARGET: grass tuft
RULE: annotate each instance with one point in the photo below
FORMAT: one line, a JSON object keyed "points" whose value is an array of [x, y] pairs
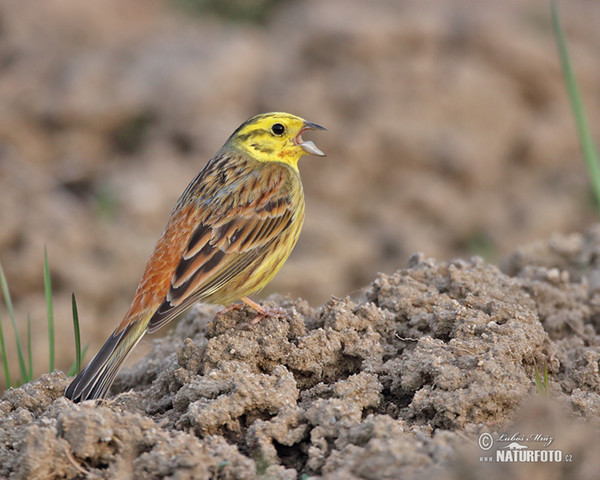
{"points": [[26, 365]]}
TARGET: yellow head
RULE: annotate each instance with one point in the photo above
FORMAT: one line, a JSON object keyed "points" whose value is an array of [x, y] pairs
{"points": [[275, 137]]}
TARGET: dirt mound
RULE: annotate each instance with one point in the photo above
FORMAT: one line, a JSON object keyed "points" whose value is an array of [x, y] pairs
{"points": [[401, 382]]}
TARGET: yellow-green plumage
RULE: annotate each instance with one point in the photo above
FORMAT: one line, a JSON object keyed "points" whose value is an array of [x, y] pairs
{"points": [[229, 234]]}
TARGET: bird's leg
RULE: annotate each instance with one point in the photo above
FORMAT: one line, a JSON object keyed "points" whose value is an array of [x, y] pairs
{"points": [[262, 312]]}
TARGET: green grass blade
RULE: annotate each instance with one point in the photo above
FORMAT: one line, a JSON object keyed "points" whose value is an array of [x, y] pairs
{"points": [[590, 153], [541, 384], [6, 293], [29, 350], [538, 381], [7, 381], [11, 312], [49, 309], [74, 370], [78, 353]]}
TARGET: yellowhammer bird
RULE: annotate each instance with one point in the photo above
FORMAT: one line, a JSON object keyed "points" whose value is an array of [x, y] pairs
{"points": [[230, 232]]}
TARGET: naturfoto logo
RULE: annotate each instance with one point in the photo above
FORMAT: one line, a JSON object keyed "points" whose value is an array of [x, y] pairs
{"points": [[520, 447]]}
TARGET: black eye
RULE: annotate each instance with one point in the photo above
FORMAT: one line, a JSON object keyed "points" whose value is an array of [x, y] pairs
{"points": [[278, 129]]}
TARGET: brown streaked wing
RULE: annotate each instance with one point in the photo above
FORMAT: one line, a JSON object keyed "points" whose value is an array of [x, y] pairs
{"points": [[221, 249]]}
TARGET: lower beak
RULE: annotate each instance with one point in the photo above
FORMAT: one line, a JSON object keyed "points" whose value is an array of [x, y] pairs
{"points": [[306, 145]]}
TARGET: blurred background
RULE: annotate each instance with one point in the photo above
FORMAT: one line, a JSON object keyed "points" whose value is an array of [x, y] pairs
{"points": [[449, 133]]}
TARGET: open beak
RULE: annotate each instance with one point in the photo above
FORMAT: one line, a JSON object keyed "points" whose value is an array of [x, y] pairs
{"points": [[306, 145]]}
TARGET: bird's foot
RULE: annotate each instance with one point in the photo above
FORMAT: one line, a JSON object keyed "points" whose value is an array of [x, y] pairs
{"points": [[262, 312]]}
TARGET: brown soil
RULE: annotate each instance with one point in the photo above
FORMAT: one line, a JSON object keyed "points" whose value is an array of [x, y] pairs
{"points": [[397, 384]]}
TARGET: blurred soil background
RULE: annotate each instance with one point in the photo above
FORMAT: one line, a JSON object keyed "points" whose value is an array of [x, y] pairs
{"points": [[449, 133]]}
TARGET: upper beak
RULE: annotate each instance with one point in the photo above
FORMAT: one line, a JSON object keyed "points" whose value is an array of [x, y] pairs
{"points": [[306, 145]]}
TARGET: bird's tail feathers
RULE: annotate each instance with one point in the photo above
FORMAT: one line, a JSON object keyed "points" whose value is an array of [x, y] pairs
{"points": [[97, 377]]}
